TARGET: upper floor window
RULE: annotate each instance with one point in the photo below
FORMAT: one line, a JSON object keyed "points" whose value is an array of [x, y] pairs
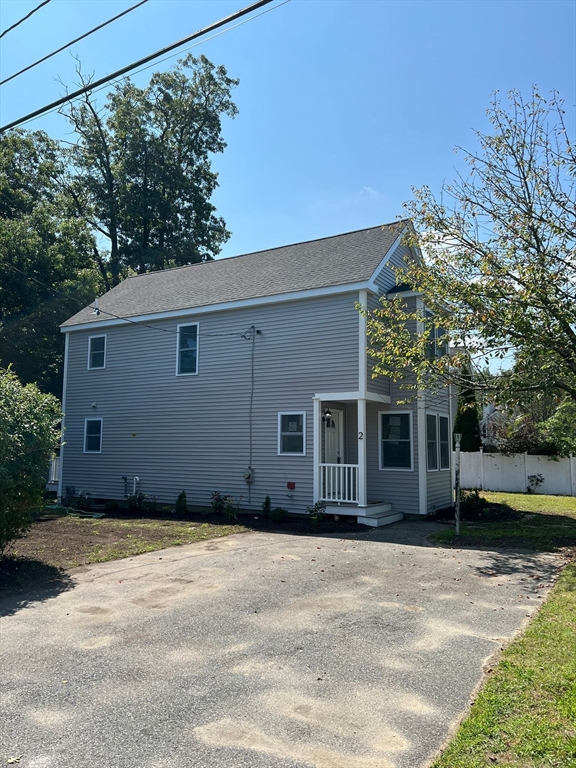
{"points": [[396, 440], [187, 360], [93, 436], [96, 352], [291, 433]]}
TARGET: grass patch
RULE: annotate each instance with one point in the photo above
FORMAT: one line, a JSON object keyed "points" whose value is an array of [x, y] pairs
{"points": [[525, 716], [547, 524]]}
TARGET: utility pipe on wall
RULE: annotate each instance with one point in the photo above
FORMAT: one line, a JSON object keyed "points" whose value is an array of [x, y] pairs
{"points": [[135, 483]]}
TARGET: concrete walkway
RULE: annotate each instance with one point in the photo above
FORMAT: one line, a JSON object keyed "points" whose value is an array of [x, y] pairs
{"points": [[260, 651]]}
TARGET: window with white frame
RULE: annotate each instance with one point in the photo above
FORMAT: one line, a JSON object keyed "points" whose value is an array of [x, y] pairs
{"points": [[93, 436], [292, 433], [96, 352], [437, 442], [187, 350], [396, 441], [432, 441]]}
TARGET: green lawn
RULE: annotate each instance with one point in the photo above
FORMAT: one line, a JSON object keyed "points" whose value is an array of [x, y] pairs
{"points": [[548, 524], [525, 715]]}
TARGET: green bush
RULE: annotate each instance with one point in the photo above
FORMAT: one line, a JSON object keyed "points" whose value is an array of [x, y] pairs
{"points": [[317, 512], [279, 515], [141, 502], [29, 435], [180, 507], [267, 507]]}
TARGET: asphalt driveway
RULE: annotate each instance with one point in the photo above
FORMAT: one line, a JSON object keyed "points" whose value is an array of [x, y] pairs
{"points": [[261, 651]]}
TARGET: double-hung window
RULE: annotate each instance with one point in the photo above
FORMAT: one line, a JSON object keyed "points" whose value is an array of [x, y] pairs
{"points": [[96, 352], [93, 436], [396, 441], [437, 442], [187, 350], [292, 433]]}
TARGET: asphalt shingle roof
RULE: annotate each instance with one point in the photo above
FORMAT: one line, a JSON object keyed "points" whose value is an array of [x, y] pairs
{"points": [[348, 258]]}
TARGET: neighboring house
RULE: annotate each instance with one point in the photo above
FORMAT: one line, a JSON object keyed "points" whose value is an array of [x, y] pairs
{"points": [[249, 376], [492, 426]]}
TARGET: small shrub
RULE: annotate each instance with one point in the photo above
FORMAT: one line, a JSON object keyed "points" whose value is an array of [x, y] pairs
{"points": [[181, 507], [141, 502], [81, 502], [267, 507], [230, 509], [110, 505], [279, 515], [218, 502], [534, 482], [472, 504], [317, 512]]}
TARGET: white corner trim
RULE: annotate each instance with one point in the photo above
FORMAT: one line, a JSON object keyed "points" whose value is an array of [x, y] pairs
{"points": [[362, 341], [421, 433], [241, 303], [62, 443], [316, 448]]}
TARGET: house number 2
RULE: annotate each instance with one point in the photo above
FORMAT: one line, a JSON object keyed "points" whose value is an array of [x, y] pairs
{"points": [[360, 435]]}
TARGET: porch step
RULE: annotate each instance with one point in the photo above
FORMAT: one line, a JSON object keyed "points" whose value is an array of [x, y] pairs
{"points": [[378, 514], [378, 520]]}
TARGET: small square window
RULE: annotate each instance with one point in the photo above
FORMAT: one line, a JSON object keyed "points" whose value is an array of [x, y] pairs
{"points": [[444, 442], [187, 350], [291, 433], [93, 436], [96, 352]]}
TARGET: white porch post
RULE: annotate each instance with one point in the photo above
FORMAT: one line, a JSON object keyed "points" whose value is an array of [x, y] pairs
{"points": [[362, 491], [317, 447]]}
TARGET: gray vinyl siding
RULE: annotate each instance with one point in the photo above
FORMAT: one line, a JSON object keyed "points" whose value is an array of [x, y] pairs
{"points": [[386, 279], [192, 432], [381, 384], [399, 488]]}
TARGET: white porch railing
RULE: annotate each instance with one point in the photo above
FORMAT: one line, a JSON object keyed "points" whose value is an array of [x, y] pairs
{"points": [[339, 482], [54, 471]]}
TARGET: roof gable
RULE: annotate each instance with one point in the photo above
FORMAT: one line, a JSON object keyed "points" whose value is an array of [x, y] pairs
{"points": [[334, 261]]}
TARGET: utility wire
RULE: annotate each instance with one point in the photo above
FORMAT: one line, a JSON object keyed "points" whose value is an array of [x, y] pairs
{"points": [[76, 40], [129, 67], [33, 11]]}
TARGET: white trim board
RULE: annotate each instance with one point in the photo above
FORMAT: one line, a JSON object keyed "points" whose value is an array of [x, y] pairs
{"points": [[342, 396]]}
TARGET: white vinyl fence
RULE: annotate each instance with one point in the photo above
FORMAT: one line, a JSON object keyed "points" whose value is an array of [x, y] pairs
{"points": [[495, 472]]}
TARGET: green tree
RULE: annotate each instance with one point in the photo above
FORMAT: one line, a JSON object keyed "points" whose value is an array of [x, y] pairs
{"points": [[141, 172], [45, 259], [28, 437], [499, 264], [466, 422]]}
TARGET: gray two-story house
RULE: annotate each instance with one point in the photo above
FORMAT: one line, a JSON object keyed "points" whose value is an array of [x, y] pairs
{"points": [[250, 376]]}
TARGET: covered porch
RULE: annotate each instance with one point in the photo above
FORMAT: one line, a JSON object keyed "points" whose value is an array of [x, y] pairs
{"points": [[340, 457]]}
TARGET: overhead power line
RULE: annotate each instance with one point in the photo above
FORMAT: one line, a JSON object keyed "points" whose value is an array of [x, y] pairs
{"points": [[76, 40], [145, 60], [33, 11]]}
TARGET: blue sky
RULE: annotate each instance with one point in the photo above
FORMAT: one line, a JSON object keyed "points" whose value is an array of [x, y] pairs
{"points": [[344, 106]]}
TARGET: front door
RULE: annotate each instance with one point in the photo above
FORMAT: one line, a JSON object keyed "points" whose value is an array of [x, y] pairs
{"points": [[334, 438], [333, 453]]}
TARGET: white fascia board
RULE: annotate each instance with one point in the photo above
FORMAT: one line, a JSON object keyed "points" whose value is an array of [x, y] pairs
{"points": [[406, 294], [337, 396], [331, 290]]}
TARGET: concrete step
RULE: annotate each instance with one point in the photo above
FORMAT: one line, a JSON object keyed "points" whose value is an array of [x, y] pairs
{"points": [[379, 520]]}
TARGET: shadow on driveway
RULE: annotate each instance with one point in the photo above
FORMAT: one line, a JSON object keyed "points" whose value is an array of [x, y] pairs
{"points": [[24, 581]]}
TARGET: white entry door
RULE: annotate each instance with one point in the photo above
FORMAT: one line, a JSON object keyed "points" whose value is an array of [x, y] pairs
{"points": [[334, 438]]}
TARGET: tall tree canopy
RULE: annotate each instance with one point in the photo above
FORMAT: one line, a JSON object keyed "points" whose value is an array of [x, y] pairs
{"points": [[499, 266], [45, 259], [131, 194], [141, 173]]}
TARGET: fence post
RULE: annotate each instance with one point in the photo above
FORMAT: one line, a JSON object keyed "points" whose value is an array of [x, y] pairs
{"points": [[572, 478], [525, 470], [481, 469]]}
